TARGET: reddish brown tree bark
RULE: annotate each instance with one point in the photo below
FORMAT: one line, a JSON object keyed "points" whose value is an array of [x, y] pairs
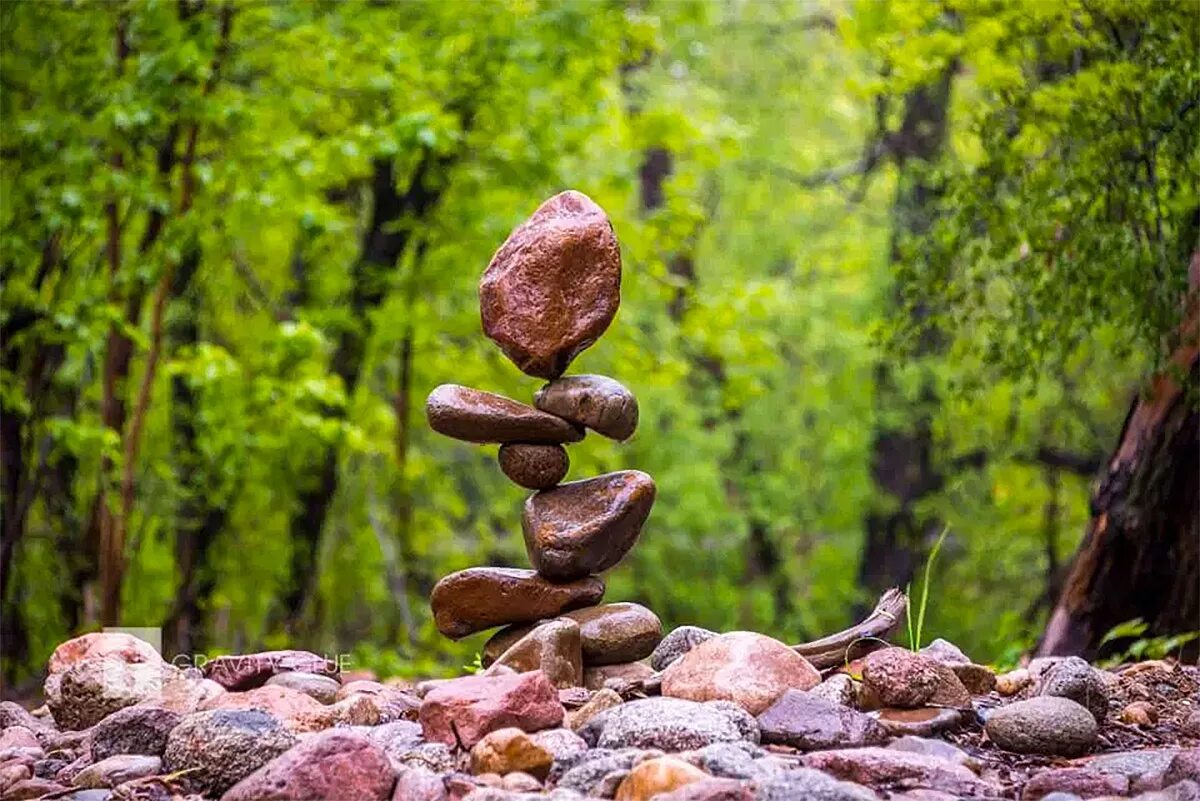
{"points": [[1140, 556]]}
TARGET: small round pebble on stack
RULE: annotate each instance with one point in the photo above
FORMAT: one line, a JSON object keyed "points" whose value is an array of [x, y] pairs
{"points": [[550, 292]]}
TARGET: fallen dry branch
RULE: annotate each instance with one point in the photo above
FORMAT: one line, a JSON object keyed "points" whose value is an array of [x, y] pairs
{"points": [[868, 635]]}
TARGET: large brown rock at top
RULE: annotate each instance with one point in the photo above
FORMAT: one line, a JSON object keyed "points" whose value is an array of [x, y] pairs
{"points": [[594, 401], [752, 670], [247, 671], [473, 415], [554, 286], [586, 526], [462, 711], [480, 598]]}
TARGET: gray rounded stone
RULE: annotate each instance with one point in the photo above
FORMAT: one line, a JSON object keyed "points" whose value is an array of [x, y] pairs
{"points": [[1074, 678], [1043, 725], [669, 724], [314, 685], [811, 785], [134, 730], [221, 747], [678, 643]]}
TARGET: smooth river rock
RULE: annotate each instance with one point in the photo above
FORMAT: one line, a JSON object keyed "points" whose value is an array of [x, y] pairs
{"points": [[532, 466], [553, 648], [554, 286], [594, 401], [473, 415], [586, 526], [247, 671], [808, 722], [750, 669], [462, 711], [610, 634], [1046, 724], [481, 598]]}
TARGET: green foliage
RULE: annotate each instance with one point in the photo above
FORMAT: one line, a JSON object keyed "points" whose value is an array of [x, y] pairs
{"points": [[755, 368], [915, 633], [1139, 648]]}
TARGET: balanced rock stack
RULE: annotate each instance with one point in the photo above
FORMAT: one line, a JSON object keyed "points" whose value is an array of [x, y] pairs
{"points": [[551, 290]]}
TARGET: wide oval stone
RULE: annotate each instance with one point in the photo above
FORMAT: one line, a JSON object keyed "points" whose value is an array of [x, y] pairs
{"points": [[750, 669], [333, 764], [554, 286], [594, 401], [473, 415], [586, 526], [247, 671], [532, 466], [481, 598], [462, 711], [1045, 724]]}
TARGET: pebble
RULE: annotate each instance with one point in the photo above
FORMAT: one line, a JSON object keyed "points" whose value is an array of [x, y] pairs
{"points": [[322, 689], [462, 711], [481, 598], [898, 677], [554, 286], [594, 401], [116, 770], [507, 750], [472, 415], [898, 770], [751, 670], [1081, 782], [677, 643], [807, 722], [553, 648], [660, 775], [335, 764], [586, 526], [222, 747], [669, 724], [1074, 678], [1043, 725], [133, 730], [247, 671], [1139, 713], [615, 633], [533, 466], [599, 702], [89, 690], [616, 677]]}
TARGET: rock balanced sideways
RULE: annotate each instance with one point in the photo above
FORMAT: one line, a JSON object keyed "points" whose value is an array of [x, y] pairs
{"points": [[551, 291]]}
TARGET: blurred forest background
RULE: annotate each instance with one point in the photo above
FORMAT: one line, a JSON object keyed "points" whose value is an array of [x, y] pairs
{"points": [[890, 267]]}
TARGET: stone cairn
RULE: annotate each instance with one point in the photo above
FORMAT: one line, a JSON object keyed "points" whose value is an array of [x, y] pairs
{"points": [[551, 290]]}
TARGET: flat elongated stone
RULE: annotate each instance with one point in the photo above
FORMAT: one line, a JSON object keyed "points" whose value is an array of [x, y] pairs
{"points": [[480, 598], [594, 401], [473, 415], [554, 286], [586, 526]]}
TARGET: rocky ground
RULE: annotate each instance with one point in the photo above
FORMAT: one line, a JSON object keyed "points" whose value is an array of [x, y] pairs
{"points": [[706, 717]]}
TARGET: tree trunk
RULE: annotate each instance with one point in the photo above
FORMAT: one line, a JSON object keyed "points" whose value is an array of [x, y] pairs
{"points": [[394, 216], [1140, 556], [903, 468]]}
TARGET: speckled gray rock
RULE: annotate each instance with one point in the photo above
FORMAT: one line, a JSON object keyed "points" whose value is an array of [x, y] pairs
{"points": [[134, 730], [597, 772], [92, 689], [669, 724], [1043, 725], [677, 643], [1074, 678], [838, 688], [807, 722], [223, 746], [741, 760], [811, 785], [437, 757], [1144, 768]]}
